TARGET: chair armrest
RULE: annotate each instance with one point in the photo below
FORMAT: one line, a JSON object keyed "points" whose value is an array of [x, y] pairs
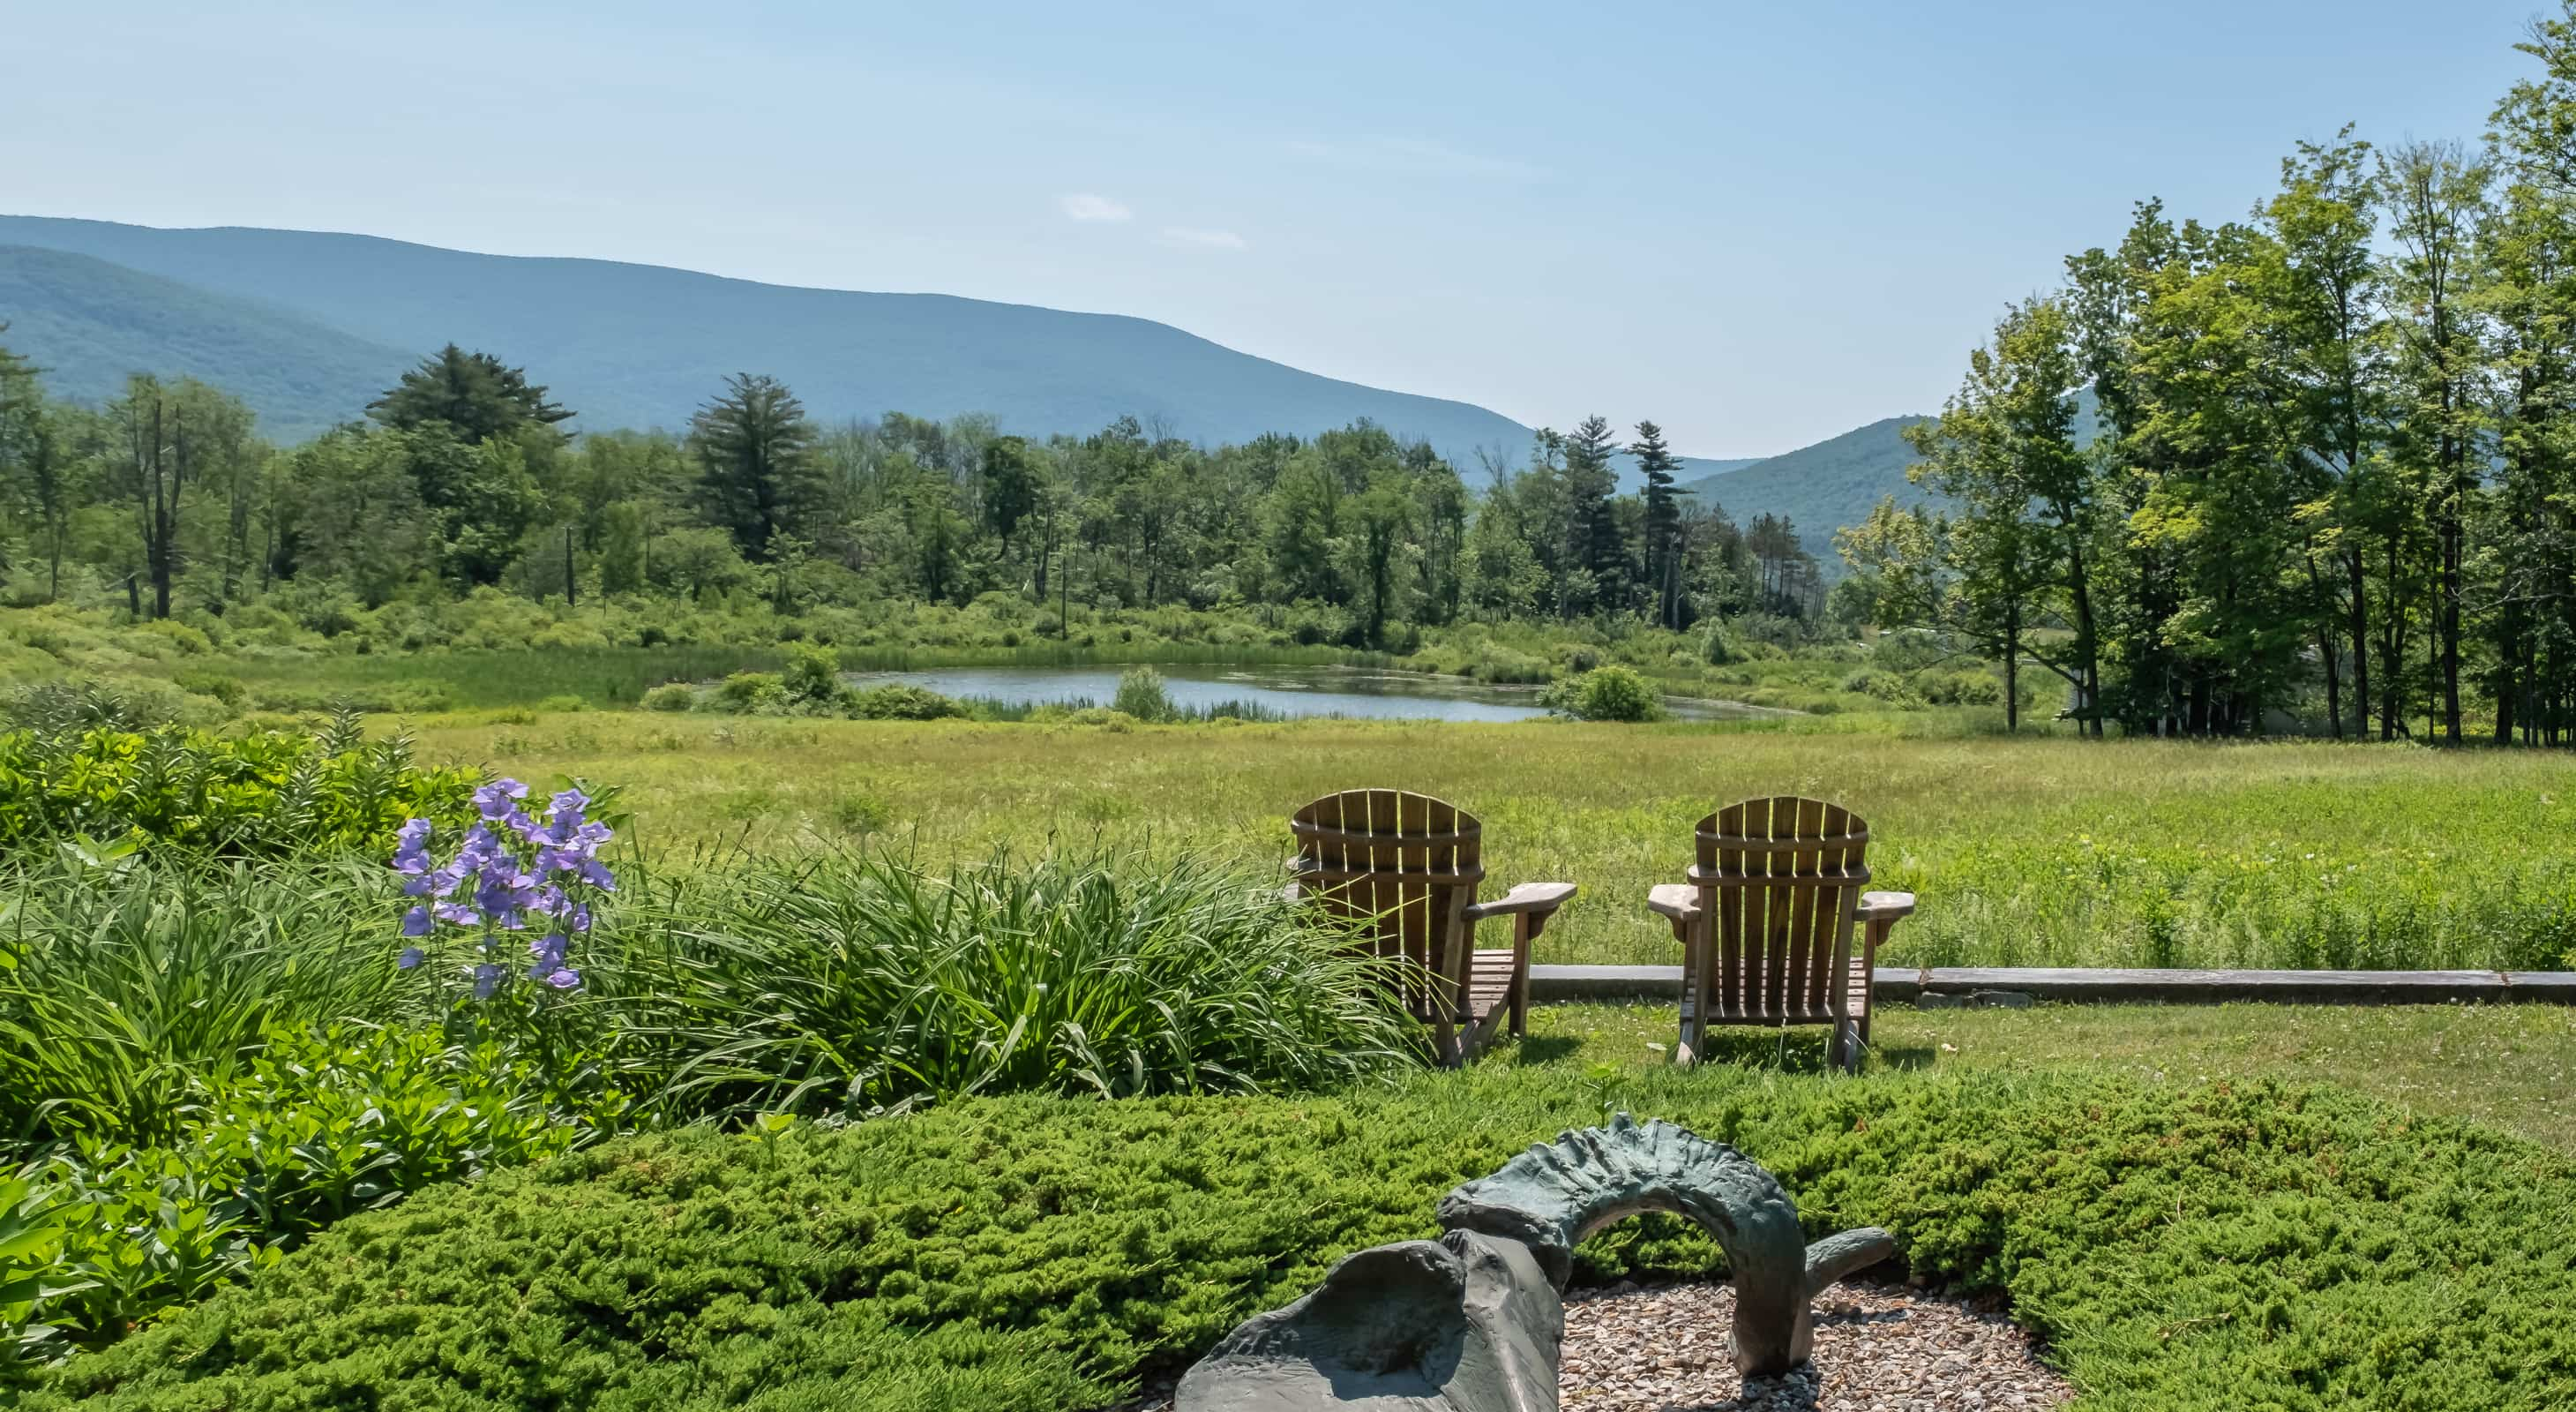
{"points": [[1885, 906], [1537, 899], [1679, 901]]}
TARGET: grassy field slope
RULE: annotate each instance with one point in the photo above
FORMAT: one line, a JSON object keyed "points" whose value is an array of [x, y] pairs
{"points": [[2025, 852]]}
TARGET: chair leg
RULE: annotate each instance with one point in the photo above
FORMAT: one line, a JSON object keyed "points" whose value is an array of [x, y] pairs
{"points": [[1524, 931], [1869, 975], [1686, 1044], [1475, 1035], [1843, 1052], [1444, 1044]]}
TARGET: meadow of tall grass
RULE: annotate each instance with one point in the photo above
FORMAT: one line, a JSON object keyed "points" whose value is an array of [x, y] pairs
{"points": [[2034, 851]]}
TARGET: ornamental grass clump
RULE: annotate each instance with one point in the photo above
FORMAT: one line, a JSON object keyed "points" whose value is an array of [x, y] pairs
{"points": [[861, 982], [135, 988]]}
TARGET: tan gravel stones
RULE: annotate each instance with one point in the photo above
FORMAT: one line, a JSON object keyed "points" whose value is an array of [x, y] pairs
{"points": [[1878, 1349]]}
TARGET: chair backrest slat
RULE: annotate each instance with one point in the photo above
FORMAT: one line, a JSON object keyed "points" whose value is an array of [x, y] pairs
{"points": [[1782, 880], [1407, 863]]}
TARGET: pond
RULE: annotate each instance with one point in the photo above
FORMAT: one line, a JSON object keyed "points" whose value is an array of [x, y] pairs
{"points": [[1287, 691]]}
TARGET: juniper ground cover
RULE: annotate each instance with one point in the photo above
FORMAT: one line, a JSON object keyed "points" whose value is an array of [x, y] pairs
{"points": [[2226, 1243]]}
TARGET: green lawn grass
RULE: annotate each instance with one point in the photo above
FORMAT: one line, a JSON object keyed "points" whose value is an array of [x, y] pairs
{"points": [[2044, 851], [2510, 1066]]}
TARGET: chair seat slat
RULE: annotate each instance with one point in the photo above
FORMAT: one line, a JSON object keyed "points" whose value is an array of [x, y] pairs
{"points": [[1850, 875], [1740, 844], [1450, 877], [1365, 838]]}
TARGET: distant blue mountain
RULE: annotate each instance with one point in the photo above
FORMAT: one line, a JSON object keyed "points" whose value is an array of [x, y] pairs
{"points": [[88, 324], [1823, 487], [643, 346]]}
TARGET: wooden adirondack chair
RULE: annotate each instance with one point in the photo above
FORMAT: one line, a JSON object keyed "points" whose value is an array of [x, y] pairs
{"points": [[1410, 865], [1766, 923]]}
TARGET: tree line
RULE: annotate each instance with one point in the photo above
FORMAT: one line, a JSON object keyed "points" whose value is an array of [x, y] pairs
{"points": [[463, 475], [2319, 462]]}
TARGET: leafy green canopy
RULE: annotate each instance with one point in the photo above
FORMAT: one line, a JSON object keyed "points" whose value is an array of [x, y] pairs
{"points": [[2205, 1248]]}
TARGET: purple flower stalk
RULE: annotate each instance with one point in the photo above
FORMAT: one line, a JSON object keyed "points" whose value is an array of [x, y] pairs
{"points": [[503, 889]]}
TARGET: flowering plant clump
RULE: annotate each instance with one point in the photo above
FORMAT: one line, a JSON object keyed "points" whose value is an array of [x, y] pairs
{"points": [[512, 873]]}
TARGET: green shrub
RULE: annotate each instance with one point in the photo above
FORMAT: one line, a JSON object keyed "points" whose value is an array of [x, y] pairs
{"points": [[752, 693], [813, 673], [261, 793], [1773, 630], [1605, 694], [859, 813], [898, 701], [59, 709], [178, 636], [388, 699], [227, 690], [860, 981], [559, 705], [318, 1127], [1961, 688], [35, 1229], [1890, 687], [2183, 1249], [671, 696], [1114, 722], [1142, 695]]}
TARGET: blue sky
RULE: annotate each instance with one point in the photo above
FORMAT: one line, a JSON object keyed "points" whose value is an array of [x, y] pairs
{"points": [[1758, 224]]}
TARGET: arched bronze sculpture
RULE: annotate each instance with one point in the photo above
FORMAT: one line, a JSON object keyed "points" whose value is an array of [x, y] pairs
{"points": [[1473, 1322]]}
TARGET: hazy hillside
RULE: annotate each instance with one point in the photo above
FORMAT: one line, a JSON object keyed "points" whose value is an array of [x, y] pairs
{"points": [[638, 345], [89, 323], [1823, 487]]}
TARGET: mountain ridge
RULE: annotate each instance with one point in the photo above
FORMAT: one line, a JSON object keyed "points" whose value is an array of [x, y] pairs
{"points": [[575, 321], [302, 322], [1825, 486], [88, 323]]}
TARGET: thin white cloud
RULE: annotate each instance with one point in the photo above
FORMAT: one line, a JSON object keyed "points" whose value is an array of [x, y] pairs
{"points": [[1084, 206], [1204, 239]]}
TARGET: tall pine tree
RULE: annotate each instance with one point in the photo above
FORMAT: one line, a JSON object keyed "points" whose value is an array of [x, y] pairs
{"points": [[1593, 547], [756, 466], [1663, 577]]}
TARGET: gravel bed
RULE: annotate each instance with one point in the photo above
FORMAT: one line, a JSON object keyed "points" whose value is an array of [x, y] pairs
{"points": [[1879, 1348]]}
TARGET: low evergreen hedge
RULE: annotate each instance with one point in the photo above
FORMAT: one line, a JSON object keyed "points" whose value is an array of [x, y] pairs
{"points": [[2254, 1248]]}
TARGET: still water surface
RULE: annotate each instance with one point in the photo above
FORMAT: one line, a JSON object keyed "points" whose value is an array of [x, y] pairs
{"points": [[1290, 691]]}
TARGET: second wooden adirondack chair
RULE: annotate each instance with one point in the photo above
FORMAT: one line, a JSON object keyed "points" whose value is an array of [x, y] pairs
{"points": [[1766, 923], [1409, 865]]}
